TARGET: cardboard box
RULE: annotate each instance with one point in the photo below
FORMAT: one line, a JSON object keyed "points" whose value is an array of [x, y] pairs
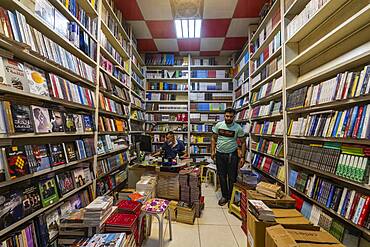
{"points": [[282, 202], [278, 236], [288, 217]]}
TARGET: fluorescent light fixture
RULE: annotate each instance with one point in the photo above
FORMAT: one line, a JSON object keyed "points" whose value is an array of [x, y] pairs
{"points": [[178, 29], [198, 26], [184, 24], [191, 29], [188, 28]]}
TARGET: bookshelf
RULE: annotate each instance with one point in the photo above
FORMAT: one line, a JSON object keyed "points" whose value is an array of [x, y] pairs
{"points": [[110, 72]]}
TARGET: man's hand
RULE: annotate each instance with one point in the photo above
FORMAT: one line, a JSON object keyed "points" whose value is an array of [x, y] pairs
{"points": [[213, 156], [241, 162]]}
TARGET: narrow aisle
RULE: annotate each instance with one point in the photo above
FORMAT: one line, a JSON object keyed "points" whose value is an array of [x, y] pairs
{"points": [[215, 228]]}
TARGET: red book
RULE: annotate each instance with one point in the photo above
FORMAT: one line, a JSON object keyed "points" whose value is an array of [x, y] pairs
{"points": [[357, 124], [87, 95], [4, 19], [121, 220], [267, 165], [364, 212], [128, 206], [298, 201], [348, 124], [211, 73], [54, 86], [109, 106], [102, 105], [354, 205]]}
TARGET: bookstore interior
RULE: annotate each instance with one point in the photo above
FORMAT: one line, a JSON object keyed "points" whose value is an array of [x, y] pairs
{"points": [[235, 123]]}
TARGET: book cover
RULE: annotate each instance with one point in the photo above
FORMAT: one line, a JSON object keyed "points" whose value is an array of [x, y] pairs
{"points": [[69, 123], [57, 121], [21, 116], [11, 208], [17, 161], [88, 123], [70, 151], [41, 118], [78, 120], [48, 192], [15, 75], [79, 177], [46, 11], [36, 80], [41, 154], [52, 219], [57, 156], [65, 182], [31, 199]]}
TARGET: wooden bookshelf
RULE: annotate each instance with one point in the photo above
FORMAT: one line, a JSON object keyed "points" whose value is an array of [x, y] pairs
{"points": [[268, 155]]}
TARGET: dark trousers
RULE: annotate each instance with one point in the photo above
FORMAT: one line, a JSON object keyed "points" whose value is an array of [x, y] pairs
{"points": [[227, 170]]}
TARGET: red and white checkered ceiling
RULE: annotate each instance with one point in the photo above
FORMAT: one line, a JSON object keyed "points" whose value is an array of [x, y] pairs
{"points": [[224, 26]]}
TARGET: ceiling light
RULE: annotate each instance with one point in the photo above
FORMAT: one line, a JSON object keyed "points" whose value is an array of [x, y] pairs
{"points": [[178, 29], [188, 28], [184, 24]]}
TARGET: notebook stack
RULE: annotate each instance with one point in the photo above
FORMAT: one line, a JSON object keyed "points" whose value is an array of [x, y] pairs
{"points": [[147, 184], [271, 190], [98, 210], [185, 213], [129, 207], [72, 229], [184, 185], [168, 186], [261, 211], [123, 222]]}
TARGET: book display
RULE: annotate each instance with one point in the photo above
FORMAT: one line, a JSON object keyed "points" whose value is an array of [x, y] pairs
{"points": [[308, 106]]}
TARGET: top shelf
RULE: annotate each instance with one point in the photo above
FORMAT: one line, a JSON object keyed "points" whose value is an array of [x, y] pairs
{"points": [[210, 67], [111, 12], [262, 25], [167, 67], [87, 6]]}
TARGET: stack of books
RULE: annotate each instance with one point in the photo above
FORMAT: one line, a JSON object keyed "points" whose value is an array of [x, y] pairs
{"points": [[168, 186], [99, 210], [108, 239], [185, 213], [271, 190], [123, 222], [259, 209], [129, 207]]}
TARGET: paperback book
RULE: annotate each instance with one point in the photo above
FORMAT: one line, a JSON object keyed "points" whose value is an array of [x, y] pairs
{"points": [[65, 182], [21, 116], [48, 192], [41, 118]]}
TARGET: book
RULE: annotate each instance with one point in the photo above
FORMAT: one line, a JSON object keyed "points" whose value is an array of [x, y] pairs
{"points": [[70, 151], [69, 123], [88, 123], [17, 161], [31, 199], [79, 176], [15, 75], [41, 118], [78, 121], [65, 182], [52, 220], [48, 192], [57, 155], [11, 208], [57, 121], [36, 80], [21, 117], [39, 154]]}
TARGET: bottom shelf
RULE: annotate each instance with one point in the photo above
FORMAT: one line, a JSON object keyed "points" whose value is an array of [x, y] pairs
{"points": [[365, 232]]}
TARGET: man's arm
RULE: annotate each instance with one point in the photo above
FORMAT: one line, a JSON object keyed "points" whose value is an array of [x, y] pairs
{"points": [[213, 145]]}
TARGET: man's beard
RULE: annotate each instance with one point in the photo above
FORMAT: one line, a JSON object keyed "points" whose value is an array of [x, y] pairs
{"points": [[229, 121]]}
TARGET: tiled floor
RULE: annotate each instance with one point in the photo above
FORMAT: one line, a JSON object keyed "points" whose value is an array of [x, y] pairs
{"points": [[215, 228]]}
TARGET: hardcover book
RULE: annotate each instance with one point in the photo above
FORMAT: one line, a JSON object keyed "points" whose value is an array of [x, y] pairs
{"points": [[79, 176], [17, 161], [69, 123], [57, 154], [65, 182], [48, 192], [52, 222], [38, 157], [31, 199], [11, 208], [78, 121], [57, 121], [70, 151], [41, 118], [21, 116], [88, 123], [15, 75], [36, 80]]}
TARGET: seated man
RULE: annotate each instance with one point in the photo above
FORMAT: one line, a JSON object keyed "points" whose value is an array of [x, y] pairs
{"points": [[172, 147]]}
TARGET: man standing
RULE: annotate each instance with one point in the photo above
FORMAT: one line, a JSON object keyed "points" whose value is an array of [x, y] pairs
{"points": [[224, 150]]}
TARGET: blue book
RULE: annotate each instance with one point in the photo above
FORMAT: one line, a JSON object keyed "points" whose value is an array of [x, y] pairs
{"points": [[292, 178], [345, 203], [331, 194], [306, 209], [339, 116], [360, 129], [353, 121], [348, 114], [366, 80]]}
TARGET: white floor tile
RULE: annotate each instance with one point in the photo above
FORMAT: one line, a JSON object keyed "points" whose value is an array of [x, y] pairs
{"points": [[212, 216], [183, 235], [240, 236], [211, 201], [216, 236], [231, 218]]}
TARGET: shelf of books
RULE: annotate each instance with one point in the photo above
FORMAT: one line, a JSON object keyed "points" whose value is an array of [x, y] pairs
{"points": [[167, 97], [327, 114], [65, 73]]}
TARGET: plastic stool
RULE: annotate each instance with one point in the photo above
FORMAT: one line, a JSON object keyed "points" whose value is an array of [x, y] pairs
{"points": [[211, 169], [233, 208], [158, 208]]}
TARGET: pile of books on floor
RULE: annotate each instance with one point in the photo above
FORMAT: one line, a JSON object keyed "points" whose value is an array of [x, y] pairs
{"points": [[105, 239], [271, 190], [72, 228], [185, 213], [123, 222], [168, 186], [259, 209], [98, 210], [190, 187]]}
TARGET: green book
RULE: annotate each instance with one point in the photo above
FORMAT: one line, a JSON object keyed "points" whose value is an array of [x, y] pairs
{"points": [[337, 230], [48, 192]]}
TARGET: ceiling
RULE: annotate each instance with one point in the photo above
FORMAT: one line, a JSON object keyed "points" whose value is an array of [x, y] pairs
{"points": [[224, 25]]}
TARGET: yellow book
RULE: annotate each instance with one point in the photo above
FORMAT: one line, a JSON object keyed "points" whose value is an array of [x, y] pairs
{"points": [[161, 85], [354, 86], [340, 125], [290, 127], [331, 125], [67, 3]]}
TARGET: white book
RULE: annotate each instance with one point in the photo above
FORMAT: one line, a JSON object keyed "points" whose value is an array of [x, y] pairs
{"points": [[314, 95], [342, 200], [366, 122], [327, 123], [360, 82], [350, 204], [358, 210]]}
